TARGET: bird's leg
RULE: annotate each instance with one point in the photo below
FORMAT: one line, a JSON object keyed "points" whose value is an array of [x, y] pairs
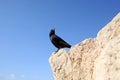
{"points": [[57, 50]]}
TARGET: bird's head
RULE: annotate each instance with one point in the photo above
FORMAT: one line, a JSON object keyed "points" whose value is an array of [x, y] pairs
{"points": [[52, 32]]}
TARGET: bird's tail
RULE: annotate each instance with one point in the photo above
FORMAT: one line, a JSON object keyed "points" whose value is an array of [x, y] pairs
{"points": [[69, 46]]}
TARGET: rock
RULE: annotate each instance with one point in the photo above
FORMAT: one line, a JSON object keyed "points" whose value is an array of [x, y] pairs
{"points": [[93, 59]]}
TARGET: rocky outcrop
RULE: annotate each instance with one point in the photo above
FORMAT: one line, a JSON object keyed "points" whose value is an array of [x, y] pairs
{"points": [[93, 59]]}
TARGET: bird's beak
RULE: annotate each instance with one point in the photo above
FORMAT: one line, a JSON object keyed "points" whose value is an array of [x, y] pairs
{"points": [[54, 29]]}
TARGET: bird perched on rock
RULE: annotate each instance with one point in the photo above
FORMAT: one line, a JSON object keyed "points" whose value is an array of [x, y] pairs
{"points": [[57, 41]]}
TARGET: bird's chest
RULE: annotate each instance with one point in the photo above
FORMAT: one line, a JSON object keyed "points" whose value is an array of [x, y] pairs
{"points": [[54, 39]]}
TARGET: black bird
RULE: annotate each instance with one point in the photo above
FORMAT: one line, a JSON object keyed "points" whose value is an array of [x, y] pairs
{"points": [[57, 41]]}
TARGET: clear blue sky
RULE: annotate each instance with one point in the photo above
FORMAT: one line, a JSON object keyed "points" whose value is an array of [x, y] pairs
{"points": [[24, 28]]}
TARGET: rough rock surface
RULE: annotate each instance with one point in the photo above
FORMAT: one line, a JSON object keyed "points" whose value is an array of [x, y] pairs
{"points": [[93, 59]]}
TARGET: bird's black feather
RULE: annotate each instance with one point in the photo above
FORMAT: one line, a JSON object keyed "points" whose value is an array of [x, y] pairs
{"points": [[57, 41]]}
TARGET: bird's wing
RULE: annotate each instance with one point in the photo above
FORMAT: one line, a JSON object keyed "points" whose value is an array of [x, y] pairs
{"points": [[61, 41]]}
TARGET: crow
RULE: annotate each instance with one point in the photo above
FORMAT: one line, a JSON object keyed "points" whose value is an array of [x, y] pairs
{"points": [[57, 41]]}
